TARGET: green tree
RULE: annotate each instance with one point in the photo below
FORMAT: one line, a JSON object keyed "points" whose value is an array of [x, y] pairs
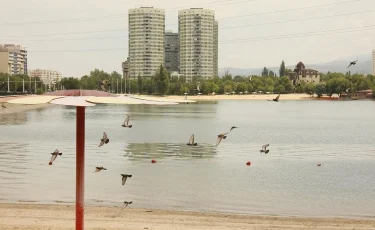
{"points": [[139, 82], [310, 88], [70, 83], [265, 72], [279, 89], [238, 79], [282, 69], [320, 89], [241, 87], [161, 80], [228, 89]]}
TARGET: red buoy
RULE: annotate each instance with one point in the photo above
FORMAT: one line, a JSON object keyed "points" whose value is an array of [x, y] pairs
{"points": [[153, 161], [50, 163], [248, 163]]}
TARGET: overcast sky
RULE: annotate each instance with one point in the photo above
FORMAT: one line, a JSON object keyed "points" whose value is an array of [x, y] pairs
{"points": [[257, 39]]}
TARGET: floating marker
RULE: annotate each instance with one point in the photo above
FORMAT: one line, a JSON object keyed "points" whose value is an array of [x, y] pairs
{"points": [[248, 163], [153, 161]]}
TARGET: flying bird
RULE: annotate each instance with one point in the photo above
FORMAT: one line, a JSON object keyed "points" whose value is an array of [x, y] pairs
{"points": [[191, 141], [126, 203], [126, 122], [104, 83], [264, 149], [54, 156], [352, 63], [98, 169], [124, 178], [223, 135], [104, 140], [3, 105], [276, 98]]}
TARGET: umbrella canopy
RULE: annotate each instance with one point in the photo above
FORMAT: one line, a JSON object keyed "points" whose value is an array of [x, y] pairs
{"points": [[82, 99]]}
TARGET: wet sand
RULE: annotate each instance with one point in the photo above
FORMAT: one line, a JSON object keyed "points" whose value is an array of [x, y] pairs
{"points": [[246, 97], [34, 216]]}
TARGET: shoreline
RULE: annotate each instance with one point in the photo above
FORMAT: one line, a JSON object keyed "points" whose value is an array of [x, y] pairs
{"points": [[43, 216], [297, 96]]}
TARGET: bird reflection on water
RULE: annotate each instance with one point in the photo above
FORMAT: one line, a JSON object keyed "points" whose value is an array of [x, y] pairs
{"points": [[142, 151]]}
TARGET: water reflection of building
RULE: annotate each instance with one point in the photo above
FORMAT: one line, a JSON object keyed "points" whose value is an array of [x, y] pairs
{"points": [[142, 151]]}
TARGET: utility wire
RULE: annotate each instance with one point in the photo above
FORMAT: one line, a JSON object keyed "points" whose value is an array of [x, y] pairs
{"points": [[277, 37], [230, 27], [124, 15]]}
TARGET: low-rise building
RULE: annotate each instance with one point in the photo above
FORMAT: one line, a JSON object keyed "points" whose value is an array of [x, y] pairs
{"points": [[48, 77], [301, 74]]}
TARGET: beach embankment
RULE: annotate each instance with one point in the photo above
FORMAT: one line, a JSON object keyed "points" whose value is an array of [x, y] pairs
{"points": [[42, 216]]}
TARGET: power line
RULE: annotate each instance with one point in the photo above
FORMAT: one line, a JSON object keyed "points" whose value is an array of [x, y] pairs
{"points": [[101, 17], [293, 9], [224, 18], [277, 37], [310, 34], [302, 19], [230, 27]]}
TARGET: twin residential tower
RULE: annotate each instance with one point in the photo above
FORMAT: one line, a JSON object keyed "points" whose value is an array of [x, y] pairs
{"points": [[192, 52]]}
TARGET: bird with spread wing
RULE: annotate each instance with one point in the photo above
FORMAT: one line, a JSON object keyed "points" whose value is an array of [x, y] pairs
{"points": [[222, 136], [104, 140], [264, 149], [54, 156], [191, 141], [126, 122]]}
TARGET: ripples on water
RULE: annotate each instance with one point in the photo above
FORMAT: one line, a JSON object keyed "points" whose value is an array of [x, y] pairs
{"points": [[205, 178]]}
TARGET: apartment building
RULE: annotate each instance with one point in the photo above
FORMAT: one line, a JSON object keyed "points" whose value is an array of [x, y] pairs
{"points": [[198, 38], [146, 41], [48, 77], [171, 52], [13, 59]]}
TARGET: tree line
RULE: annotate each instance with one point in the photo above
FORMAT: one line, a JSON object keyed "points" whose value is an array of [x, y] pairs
{"points": [[163, 84]]}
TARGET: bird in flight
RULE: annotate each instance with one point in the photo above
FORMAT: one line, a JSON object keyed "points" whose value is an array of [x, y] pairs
{"points": [[104, 83], [104, 140], [264, 149], [126, 122], [352, 63], [124, 178], [98, 169], [54, 156], [276, 98], [191, 141], [126, 203], [223, 135]]}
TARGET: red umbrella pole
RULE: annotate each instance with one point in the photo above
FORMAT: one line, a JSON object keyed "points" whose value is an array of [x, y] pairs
{"points": [[80, 167]]}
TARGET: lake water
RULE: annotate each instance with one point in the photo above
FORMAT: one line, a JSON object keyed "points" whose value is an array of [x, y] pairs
{"points": [[286, 181]]}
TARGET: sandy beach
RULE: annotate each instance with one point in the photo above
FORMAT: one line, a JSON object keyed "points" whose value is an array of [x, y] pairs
{"points": [[34, 216], [245, 97]]}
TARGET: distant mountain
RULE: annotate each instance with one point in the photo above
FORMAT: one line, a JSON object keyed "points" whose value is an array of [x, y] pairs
{"points": [[363, 66]]}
